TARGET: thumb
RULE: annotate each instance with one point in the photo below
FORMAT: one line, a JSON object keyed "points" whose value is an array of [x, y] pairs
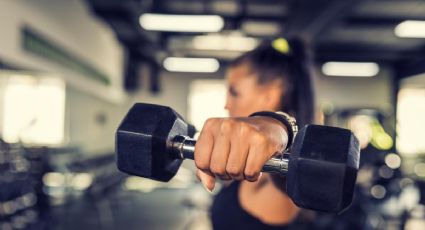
{"points": [[207, 179]]}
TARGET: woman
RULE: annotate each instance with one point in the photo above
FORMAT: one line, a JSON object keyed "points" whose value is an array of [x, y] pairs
{"points": [[273, 77]]}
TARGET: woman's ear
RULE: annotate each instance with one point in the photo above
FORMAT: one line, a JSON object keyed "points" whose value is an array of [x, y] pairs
{"points": [[273, 95]]}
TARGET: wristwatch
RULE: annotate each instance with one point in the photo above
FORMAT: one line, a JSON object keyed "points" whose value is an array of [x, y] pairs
{"points": [[285, 119]]}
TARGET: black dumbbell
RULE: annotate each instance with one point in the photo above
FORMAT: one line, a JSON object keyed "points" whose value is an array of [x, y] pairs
{"points": [[321, 169]]}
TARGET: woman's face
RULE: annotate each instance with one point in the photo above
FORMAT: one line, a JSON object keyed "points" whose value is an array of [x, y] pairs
{"points": [[245, 96]]}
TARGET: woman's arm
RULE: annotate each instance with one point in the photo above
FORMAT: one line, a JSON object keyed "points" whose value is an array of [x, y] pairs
{"points": [[237, 148]]}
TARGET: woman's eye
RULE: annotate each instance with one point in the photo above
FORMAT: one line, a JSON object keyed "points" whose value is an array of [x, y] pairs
{"points": [[233, 92]]}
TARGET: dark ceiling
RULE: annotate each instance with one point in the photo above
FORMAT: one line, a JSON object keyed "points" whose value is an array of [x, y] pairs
{"points": [[350, 30]]}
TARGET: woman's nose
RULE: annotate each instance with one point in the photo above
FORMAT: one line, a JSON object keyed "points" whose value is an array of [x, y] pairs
{"points": [[227, 105]]}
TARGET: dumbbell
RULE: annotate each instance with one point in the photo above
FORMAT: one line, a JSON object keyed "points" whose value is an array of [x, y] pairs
{"points": [[321, 170]]}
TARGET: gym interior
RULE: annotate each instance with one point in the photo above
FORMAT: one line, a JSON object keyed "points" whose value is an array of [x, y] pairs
{"points": [[70, 70]]}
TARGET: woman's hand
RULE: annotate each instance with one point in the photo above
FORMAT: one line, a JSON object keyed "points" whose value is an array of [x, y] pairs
{"points": [[237, 148]]}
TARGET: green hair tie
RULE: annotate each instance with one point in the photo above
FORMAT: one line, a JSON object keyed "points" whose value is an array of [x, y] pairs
{"points": [[281, 45]]}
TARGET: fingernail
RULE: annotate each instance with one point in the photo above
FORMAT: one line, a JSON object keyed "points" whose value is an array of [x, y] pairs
{"points": [[206, 187], [197, 176]]}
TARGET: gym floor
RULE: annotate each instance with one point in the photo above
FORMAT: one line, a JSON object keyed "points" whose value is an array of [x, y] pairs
{"points": [[163, 208]]}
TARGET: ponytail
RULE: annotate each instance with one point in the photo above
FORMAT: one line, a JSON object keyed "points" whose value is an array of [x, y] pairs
{"points": [[303, 104]]}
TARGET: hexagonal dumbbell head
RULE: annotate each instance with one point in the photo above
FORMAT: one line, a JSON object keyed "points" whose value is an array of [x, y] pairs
{"points": [[142, 138], [323, 168]]}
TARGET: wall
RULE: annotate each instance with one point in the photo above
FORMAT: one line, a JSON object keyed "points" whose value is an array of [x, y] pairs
{"points": [[69, 24], [98, 138], [174, 90]]}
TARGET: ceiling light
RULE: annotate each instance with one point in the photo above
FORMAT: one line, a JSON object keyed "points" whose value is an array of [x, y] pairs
{"points": [[181, 23], [393, 161], [410, 29], [261, 28], [350, 69], [198, 65], [227, 43]]}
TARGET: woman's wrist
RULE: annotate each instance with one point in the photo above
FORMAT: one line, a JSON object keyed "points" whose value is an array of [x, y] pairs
{"points": [[288, 121]]}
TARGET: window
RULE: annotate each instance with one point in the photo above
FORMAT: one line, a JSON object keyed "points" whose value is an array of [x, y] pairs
{"points": [[410, 121], [206, 99], [34, 110]]}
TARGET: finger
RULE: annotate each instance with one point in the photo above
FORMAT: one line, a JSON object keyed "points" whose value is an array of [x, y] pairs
{"points": [[219, 155], [207, 179], [204, 146], [237, 159], [255, 161]]}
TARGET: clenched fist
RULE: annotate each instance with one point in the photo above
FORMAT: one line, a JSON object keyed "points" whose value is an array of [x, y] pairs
{"points": [[237, 148]]}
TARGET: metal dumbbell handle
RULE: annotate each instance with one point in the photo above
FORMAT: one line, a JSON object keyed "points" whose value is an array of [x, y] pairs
{"points": [[184, 148]]}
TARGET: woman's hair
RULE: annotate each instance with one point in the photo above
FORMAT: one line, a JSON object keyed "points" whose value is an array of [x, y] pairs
{"points": [[292, 66]]}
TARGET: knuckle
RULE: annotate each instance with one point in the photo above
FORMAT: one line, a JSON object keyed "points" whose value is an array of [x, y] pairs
{"points": [[210, 122], [250, 174], [225, 177], [260, 138], [251, 179], [227, 125], [217, 169], [233, 171], [203, 165], [246, 129]]}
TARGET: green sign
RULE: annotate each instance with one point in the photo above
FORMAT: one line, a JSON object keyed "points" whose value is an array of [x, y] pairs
{"points": [[37, 44]]}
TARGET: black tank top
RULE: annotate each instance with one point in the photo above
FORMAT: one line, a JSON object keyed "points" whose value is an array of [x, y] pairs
{"points": [[227, 213]]}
